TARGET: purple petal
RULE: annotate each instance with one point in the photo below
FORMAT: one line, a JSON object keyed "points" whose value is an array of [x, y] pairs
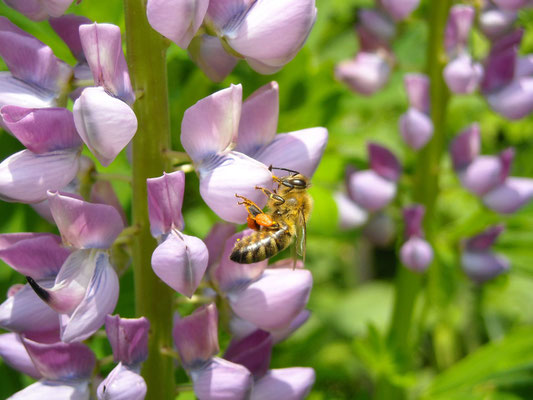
{"points": [[514, 5], [18, 93], [399, 9], [413, 217], [465, 147], [484, 240], [366, 74], [500, 63], [282, 334], [480, 266], [68, 29], [180, 261], [209, 54], [253, 352], [417, 88], [128, 338], [212, 124], [509, 197], [274, 300], [165, 199], [39, 255], [83, 224], [122, 383], [462, 75], [271, 32], [514, 101], [458, 27], [196, 336], [370, 190], [178, 20], [100, 300], [61, 361], [14, 289], [384, 162], [300, 150], [416, 128], [27, 314], [483, 174], [259, 119], [218, 184], [30, 60], [232, 276], [285, 383], [102, 46], [25, 177], [377, 24], [40, 10], [106, 124], [416, 254], [223, 12], [14, 354], [222, 380], [380, 230], [54, 390], [350, 214], [215, 240], [102, 192], [495, 23], [524, 66], [261, 67], [42, 130]]}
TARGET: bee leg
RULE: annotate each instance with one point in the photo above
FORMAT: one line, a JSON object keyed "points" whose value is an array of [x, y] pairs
{"points": [[253, 211], [276, 197]]}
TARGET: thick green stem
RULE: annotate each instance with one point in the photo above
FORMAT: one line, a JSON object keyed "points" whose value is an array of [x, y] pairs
{"points": [[426, 190], [153, 299]]}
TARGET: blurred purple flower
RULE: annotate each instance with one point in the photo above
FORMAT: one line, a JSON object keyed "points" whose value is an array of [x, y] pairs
{"points": [[514, 5], [365, 74], [416, 253], [349, 213], [416, 126], [477, 259], [399, 9], [39, 10], [495, 22], [286, 383], [380, 230]]}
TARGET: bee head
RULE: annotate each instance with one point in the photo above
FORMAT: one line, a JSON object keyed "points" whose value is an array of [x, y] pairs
{"points": [[294, 181]]}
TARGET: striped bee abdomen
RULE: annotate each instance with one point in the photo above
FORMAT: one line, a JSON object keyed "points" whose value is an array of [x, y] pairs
{"points": [[260, 245]]}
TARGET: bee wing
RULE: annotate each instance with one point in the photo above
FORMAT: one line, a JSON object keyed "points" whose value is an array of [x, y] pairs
{"points": [[301, 236]]}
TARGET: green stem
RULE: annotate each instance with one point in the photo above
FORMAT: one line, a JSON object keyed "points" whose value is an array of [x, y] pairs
{"points": [[426, 190], [153, 299]]}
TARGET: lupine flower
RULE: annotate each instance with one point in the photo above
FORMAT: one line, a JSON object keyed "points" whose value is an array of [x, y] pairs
{"points": [[103, 116], [209, 54], [495, 22], [179, 260], [350, 214], [65, 370], [416, 253], [507, 86], [51, 159], [416, 126], [129, 341], [513, 4], [215, 125], [39, 10], [86, 288], [399, 9], [366, 73], [477, 259], [35, 80], [488, 176], [375, 188], [380, 230], [462, 74]]}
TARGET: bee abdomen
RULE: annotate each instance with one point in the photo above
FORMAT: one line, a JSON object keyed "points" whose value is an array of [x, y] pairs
{"points": [[260, 245]]}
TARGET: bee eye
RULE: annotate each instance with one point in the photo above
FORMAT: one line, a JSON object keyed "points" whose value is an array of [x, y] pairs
{"points": [[299, 183]]}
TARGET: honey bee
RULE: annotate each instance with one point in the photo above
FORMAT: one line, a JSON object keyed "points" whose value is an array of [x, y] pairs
{"points": [[289, 207]]}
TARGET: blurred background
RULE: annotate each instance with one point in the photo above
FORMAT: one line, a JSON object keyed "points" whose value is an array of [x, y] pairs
{"points": [[475, 342]]}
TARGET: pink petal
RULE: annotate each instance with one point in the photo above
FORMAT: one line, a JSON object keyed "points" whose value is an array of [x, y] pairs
{"points": [[416, 254], [259, 119], [105, 123], [413, 217], [399, 9], [68, 29], [61, 361], [274, 300], [253, 352], [39, 255], [300, 150], [222, 380], [209, 54], [218, 184], [417, 88], [514, 101], [54, 390], [14, 354], [366, 74], [370, 190], [272, 31], [509, 197], [282, 334], [377, 24], [42, 130], [18, 93], [458, 27], [102, 192], [285, 383], [25, 177], [102, 46], [384, 162], [462, 75], [180, 261], [212, 124], [100, 299], [215, 240], [350, 214], [465, 147], [122, 383], [263, 68], [232, 276], [481, 266], [165, 199], [128, 338], [196, 336], [483, 174], [33, 9], [178, 20], [416, 128], [484, 240]]}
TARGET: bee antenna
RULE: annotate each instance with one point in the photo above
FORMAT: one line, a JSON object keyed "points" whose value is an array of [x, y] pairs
{"points": [[284, 169]]}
